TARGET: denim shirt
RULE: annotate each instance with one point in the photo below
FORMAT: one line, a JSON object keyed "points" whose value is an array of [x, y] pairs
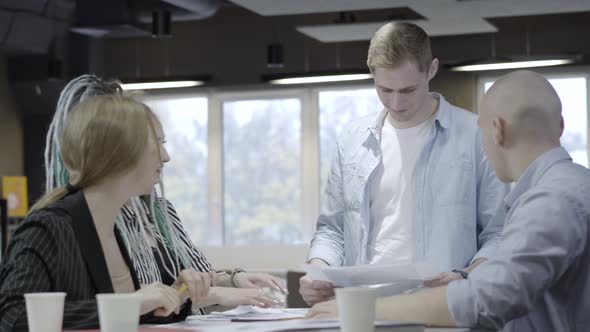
{"points": [[457, 194], [539, 279]]}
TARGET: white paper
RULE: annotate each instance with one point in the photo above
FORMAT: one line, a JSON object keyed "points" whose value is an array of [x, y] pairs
{"points": [[396, 288], [372, 274], [246, 313], [276, 326], [315, 324]]}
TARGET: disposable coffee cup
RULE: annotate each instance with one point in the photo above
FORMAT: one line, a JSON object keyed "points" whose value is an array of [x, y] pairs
{"points": [[356, 308], [45, 311], [118, 312]]}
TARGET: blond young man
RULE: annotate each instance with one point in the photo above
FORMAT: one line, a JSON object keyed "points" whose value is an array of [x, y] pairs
{"points": [[539, 279], [412, 184]]}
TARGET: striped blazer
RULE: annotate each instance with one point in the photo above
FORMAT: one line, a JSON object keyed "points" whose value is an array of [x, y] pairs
{"points": [[56, 249], [197, 259]]}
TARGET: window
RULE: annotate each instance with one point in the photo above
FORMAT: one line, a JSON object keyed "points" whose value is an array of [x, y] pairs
{"points": [[184, 121], [337, 109], [261, 162], [248, 168], [572, 92], [238, 175]]}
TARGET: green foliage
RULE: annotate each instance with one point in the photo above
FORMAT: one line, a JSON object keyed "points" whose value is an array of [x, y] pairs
{"points": [[262, 161]]}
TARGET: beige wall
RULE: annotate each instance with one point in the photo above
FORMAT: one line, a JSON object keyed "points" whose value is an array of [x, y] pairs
{"points": [[458, 89], [11, 130]]}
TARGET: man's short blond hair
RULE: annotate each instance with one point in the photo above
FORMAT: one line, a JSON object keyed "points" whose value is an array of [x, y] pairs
{"points": [[397, 42]]}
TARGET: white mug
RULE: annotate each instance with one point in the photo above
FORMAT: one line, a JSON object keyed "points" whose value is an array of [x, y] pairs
{"points": [[45, 311], [118, 312], [356, 308]]}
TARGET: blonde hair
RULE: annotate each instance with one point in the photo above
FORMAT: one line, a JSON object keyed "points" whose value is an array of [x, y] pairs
{"points": [[397, 42], [95, 136]]}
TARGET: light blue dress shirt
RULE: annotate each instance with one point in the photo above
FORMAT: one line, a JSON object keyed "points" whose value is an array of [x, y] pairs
{"points": [[539, 280], [457, 194]]}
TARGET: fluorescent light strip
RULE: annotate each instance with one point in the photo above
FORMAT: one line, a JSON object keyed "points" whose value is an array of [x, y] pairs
{"points": [[321, 79], [514, 65], [160, 85]]}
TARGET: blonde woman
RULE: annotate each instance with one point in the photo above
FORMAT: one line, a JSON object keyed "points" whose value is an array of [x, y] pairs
{"points": [[158, 245], [112, 148]]}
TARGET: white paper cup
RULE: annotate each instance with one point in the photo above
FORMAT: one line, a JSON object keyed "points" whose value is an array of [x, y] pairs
{"points": [[45, 311], [356, 308], [118, 312]]}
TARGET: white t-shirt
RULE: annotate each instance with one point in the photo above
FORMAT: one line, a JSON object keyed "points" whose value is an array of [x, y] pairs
{"points": [[392, 193]]}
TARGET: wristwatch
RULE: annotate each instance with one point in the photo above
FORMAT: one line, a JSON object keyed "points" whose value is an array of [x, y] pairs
{"points": [[233, 275], [463, 274]]}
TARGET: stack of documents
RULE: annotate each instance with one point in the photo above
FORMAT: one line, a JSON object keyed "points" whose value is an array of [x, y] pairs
{"points": [[386, 279], [249, 313], [371, 274]]}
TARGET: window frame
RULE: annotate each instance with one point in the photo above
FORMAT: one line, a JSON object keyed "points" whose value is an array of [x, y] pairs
{"points": [[216, 166], [163, 95], [291, 255], [310, 145]]}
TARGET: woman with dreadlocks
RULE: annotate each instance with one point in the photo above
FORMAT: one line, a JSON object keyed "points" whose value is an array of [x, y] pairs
{"points": [[159, 247], [68, 242]]}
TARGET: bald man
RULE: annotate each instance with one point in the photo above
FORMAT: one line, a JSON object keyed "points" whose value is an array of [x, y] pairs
{"points": [[539, 280]]}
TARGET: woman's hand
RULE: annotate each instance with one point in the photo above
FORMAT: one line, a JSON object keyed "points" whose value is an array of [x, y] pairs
{"points": [[198, 284], [159, 298], [232, 297], [258, 280]]}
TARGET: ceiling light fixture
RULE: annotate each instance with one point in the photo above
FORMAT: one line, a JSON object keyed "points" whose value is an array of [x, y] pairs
{"points": [[514, 64], [274, 56], [317, 77], [161, 23], [165, 83]]}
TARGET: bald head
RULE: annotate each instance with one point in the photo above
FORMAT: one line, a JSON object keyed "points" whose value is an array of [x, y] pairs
{"points": [[528, 103], [520, 119]]}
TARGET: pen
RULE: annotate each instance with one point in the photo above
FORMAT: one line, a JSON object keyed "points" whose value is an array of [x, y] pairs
{"points": [[182, 288]]}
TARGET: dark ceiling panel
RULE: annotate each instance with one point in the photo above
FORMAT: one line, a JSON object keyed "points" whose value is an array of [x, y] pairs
{"points": [[5, 22], [29, 34], [61, 9], [35, 6]]}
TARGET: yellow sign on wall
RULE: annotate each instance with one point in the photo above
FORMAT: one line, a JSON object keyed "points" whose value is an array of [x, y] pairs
{"points": [[14, 190]]}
